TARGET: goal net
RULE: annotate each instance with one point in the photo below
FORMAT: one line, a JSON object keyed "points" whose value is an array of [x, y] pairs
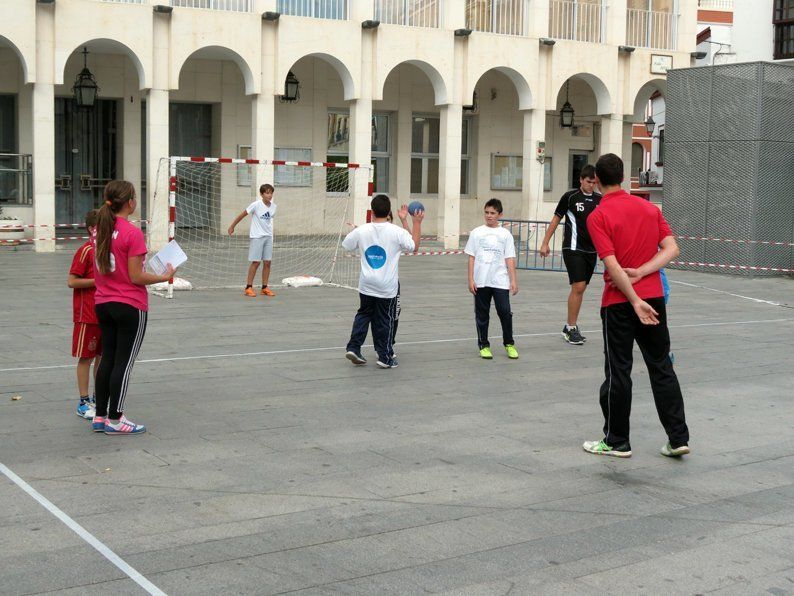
{"points": [[313, 207]]}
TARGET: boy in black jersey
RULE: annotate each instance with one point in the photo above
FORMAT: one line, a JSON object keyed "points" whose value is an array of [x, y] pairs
{"points": [[578, 251]]}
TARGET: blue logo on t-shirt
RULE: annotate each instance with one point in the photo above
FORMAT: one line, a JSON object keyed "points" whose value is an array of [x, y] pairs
{"points": [[376, 256], [266, 215]]}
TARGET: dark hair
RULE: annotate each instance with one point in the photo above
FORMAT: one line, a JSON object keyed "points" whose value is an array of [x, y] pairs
{"points": [[117, 193], [587, 172], [609, 169], [266, 188], [381, 205], [91, 218], [390, 216], [495, 203]]}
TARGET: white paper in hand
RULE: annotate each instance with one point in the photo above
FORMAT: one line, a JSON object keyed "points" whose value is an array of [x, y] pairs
{"points": [[171, 253]]}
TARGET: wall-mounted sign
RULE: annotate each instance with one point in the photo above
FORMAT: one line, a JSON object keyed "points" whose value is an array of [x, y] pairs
{"points": [[661, 63]]}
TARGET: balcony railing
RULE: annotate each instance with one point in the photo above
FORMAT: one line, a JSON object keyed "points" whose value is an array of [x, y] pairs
{"points": [[576, 20], [508, 17], [413, 13], [16, 179], [230, 5], [318, 9], [651, 29], [715, 4]]}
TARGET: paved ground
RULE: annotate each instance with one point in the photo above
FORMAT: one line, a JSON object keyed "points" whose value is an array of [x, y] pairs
{"points": [[275, 466]]}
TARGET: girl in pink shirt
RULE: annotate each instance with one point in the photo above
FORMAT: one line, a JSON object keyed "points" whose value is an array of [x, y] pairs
{"points": [[121, 304]]}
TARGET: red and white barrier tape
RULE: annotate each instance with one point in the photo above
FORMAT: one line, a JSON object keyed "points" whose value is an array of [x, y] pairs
{"points": [[28, 240], [739, 267], [432, 253], [273, 162], [76, 225], [768, 242]]}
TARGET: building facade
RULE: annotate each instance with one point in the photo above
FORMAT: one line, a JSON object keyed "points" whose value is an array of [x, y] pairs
{"points": [[449, 101]]}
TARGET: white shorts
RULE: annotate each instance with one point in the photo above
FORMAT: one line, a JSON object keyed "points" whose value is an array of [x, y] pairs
{"points": [[260, 249]]}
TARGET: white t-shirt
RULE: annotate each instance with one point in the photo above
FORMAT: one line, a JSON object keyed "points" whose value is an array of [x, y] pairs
{"points": [[490, 247], [261, 218], [380, 245]]}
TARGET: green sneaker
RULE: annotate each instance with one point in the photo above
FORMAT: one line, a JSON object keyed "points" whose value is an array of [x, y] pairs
{"points": [[511, 351], [601, 448], [486, 353], [668, 450]]}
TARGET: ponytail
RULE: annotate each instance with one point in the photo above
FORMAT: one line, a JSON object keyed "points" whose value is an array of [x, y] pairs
{"points": [[117, 193]]}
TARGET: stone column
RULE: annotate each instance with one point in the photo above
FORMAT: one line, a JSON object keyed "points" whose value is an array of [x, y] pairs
{"points": [[131, 134], [157, 146], [451, 136], [532, 169], [43, 126], [360, 153]]}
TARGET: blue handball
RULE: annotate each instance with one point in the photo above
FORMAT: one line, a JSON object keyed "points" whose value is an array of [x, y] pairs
{"points": [[414, 207]]}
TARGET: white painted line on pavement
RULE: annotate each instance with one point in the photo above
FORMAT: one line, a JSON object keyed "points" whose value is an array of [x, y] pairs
{"points": [[100, 546], [402, 343], [759, 300]]}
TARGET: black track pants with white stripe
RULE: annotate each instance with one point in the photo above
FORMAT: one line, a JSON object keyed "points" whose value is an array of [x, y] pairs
{"points": [[123, 327], [622, 328]]}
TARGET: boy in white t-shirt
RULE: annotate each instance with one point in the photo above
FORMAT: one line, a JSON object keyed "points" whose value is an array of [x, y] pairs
{"points": [[260, 246], [380, 244], [492, 274]]}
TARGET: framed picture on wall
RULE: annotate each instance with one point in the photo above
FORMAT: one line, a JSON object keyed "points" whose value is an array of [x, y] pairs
{"points": [[661, 63], [244, 173], [506, 172]]}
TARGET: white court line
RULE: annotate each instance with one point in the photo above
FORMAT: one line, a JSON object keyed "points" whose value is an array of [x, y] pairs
{"points": [[84, 534], [402, 343], [759, 300]]}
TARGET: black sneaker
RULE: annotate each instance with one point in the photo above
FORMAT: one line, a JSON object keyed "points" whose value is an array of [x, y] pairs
{"points": [[392, 363], [355, 357], [572, 335]]}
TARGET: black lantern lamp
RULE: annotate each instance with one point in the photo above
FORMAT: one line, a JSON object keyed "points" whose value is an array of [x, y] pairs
{"points": [[85, 88], [291, 89], [566, 112], [650, 125]]}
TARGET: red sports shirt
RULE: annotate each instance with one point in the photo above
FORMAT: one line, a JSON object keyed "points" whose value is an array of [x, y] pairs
{"points": [[83, 299], [631, 229]]}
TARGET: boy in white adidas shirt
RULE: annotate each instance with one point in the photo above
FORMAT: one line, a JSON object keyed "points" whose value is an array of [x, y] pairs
{"points": [[380, 244], [492, 274]]}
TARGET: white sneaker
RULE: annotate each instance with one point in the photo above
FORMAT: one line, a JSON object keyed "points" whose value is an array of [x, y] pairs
{"points": [[668, 451]]}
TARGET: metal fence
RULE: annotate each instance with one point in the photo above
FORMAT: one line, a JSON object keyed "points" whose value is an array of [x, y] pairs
{"points": [[412, 13], [528, 236], [230, 5], [318, 9], [715, 4], [16, 179], [651, 29], [508, 17], [578, 21], [729, 160]]}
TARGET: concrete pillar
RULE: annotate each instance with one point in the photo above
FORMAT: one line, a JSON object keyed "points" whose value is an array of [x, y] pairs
{"points": [[360, 153], [44, 165], [453, 15], [611, 135], [157, 167], [451, 136], [532, 169], [402, 150], [614, 26], [262, 136], [43, 125], [538, 19], [131, 134]]}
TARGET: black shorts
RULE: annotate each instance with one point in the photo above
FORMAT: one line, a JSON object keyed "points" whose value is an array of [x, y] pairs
{"points": [[580, 265]]}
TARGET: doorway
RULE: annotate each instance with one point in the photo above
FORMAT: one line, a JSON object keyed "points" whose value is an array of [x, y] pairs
{"points": [[86, 155]]}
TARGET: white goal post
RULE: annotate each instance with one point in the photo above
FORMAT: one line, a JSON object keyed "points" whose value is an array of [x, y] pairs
{"points": [[315, 210]]}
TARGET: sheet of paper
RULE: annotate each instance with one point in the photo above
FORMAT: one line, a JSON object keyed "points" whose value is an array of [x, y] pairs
{"points": [[171, 253]]}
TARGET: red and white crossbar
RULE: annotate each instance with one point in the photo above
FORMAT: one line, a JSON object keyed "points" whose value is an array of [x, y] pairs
{"points": [[27, 240], [76, 225], [739, 267], [271, 162], [433, 253]]}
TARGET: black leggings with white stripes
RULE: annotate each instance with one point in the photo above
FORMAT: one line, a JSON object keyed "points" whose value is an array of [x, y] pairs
{"points": [[123, 327]]}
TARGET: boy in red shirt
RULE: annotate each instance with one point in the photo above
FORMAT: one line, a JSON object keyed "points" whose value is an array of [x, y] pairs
{"points": [[627, 232], [86, 337]]}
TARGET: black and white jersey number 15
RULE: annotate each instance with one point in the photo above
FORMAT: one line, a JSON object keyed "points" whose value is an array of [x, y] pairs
{"points": [[579, 206]]}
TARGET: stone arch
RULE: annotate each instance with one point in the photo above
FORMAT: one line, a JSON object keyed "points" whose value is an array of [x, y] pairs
{"points": [[348, 84], [604, 103], [440, 87], [5, 42], [215, 52], [519, 81], [645, 93], [102, 45]]}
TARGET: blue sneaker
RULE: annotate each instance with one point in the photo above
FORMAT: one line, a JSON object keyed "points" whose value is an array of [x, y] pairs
{"points": [[124, 427], [86, 410], [355, 357], [98, 424]]}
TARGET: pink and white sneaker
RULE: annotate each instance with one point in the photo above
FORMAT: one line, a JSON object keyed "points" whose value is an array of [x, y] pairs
{"points": [[98, 424], [123, 427]]}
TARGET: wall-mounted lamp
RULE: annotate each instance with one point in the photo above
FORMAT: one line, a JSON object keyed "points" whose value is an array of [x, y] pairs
{"points": [[650, 125], [462, 32], [698, 55], [547, 41], [270, 16], [626, 49], [369, 24], [566, 112], [163, 9], [291, 89]]}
